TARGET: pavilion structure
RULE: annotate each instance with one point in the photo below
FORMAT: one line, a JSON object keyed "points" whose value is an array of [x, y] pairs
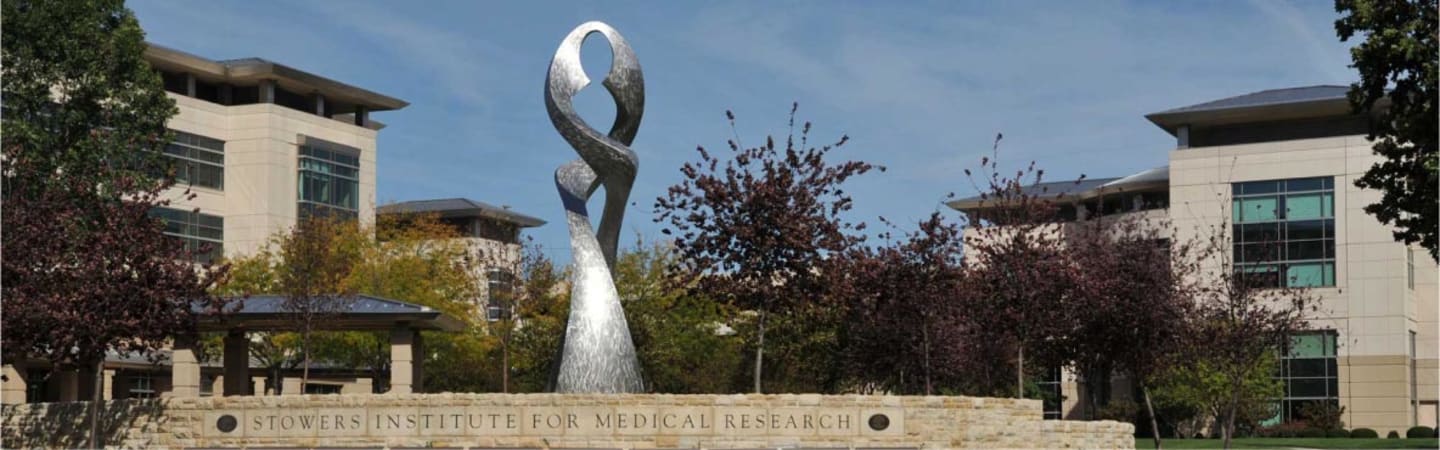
{"points": [[263, 313]]}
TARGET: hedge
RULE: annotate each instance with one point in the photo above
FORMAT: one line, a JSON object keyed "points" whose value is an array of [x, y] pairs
{"points": [[1364, 433]]}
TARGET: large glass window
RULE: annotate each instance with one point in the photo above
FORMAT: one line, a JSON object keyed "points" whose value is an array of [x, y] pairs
{"points": [[196, 230], [329, 179], [1284, 231], [199, 160], [1308, 371]]}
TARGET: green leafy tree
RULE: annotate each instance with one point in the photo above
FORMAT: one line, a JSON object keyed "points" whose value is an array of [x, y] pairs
{"points": [[417, 260], [87, 270], [1198, 392], [541, 309], [1398, 54], [683, 342]]}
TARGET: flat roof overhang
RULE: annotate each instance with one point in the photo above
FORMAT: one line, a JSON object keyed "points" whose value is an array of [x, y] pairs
{"points": [[1171, 121], [364, 313], [251, 71]]}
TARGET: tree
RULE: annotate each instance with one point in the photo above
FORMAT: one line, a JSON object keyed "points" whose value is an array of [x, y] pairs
{"points": [[1132, 303], [415, 259], [1398, 55], [754, 228], [533, 313], [319, 255], [1196, 392], [904, 313], [683, 340], [1244, 317], [1017, 277], [87, 270]]}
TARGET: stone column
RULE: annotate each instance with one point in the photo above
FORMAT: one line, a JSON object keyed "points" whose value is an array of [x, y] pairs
{"points": [[267, 91], [184, 369], [292, 386], [362, 115], [361, 385], [319, 100], [237, 364], [257, 386], [402, 359], [107, 390], [12, 387]]}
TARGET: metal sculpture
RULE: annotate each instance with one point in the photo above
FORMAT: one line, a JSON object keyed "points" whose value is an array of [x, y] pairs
{"points": [[597, 354]]}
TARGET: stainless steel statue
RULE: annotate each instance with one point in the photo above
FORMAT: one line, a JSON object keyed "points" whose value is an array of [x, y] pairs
{"points": [[597, 355]]}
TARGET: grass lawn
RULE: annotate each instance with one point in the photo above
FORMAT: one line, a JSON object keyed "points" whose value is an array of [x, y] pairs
{"points": [[1337, 443]]}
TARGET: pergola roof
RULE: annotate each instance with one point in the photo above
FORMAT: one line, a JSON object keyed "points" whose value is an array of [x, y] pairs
{"points": [[364, 313]]}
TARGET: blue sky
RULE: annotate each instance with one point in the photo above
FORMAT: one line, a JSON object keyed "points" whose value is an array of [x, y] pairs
{"points": [[920, 87]]}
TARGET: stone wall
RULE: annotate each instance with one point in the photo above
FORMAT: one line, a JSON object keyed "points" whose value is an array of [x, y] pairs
{"points": [[545, 421]]}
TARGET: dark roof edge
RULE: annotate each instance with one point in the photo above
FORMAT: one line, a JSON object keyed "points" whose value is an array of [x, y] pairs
{"points": [[256, 68]]}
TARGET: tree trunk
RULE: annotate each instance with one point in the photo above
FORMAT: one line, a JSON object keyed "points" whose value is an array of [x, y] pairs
{"points": [[305, 357], [1227, 429], [1020, 372], [925, 344], [95, 397], [759, 350], [1150, 408], [505, 363]]}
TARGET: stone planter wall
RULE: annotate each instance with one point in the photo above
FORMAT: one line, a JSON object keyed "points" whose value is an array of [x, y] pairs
{"points": [[545, 421]]}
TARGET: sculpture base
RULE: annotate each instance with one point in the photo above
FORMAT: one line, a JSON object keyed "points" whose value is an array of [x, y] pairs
{"points": [[564, 421]]}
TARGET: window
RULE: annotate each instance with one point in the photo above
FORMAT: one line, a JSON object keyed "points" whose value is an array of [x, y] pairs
{"points": [[1309, 373], [1410, 268], [142, 386], [199, 160], [196, 229], [1051, 399], [1284, 231], [36, 385], [329, 179], [501, 290], [315, 388], [1414, 385]]}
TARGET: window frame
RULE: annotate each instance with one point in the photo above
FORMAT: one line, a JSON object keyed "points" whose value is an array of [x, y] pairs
{"points": [[190, 224], [334, 165], [1329, 379], [188, 149], [136, 390], [1277, 250]]}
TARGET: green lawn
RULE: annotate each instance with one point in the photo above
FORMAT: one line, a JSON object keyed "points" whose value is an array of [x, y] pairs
{"points": [[1337, 443]]}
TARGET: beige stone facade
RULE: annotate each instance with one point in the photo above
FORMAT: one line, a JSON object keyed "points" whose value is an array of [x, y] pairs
{"points": [[1377, 298], [1372, 306], [261, 166], [551, 421]]}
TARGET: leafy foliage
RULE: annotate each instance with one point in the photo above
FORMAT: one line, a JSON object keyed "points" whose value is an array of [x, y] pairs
{"points": [[904, 316], [86, 269], [1202, 390], [682, 340], [755, 226], [1398, 55], [1018, 281], [417, 260]]}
